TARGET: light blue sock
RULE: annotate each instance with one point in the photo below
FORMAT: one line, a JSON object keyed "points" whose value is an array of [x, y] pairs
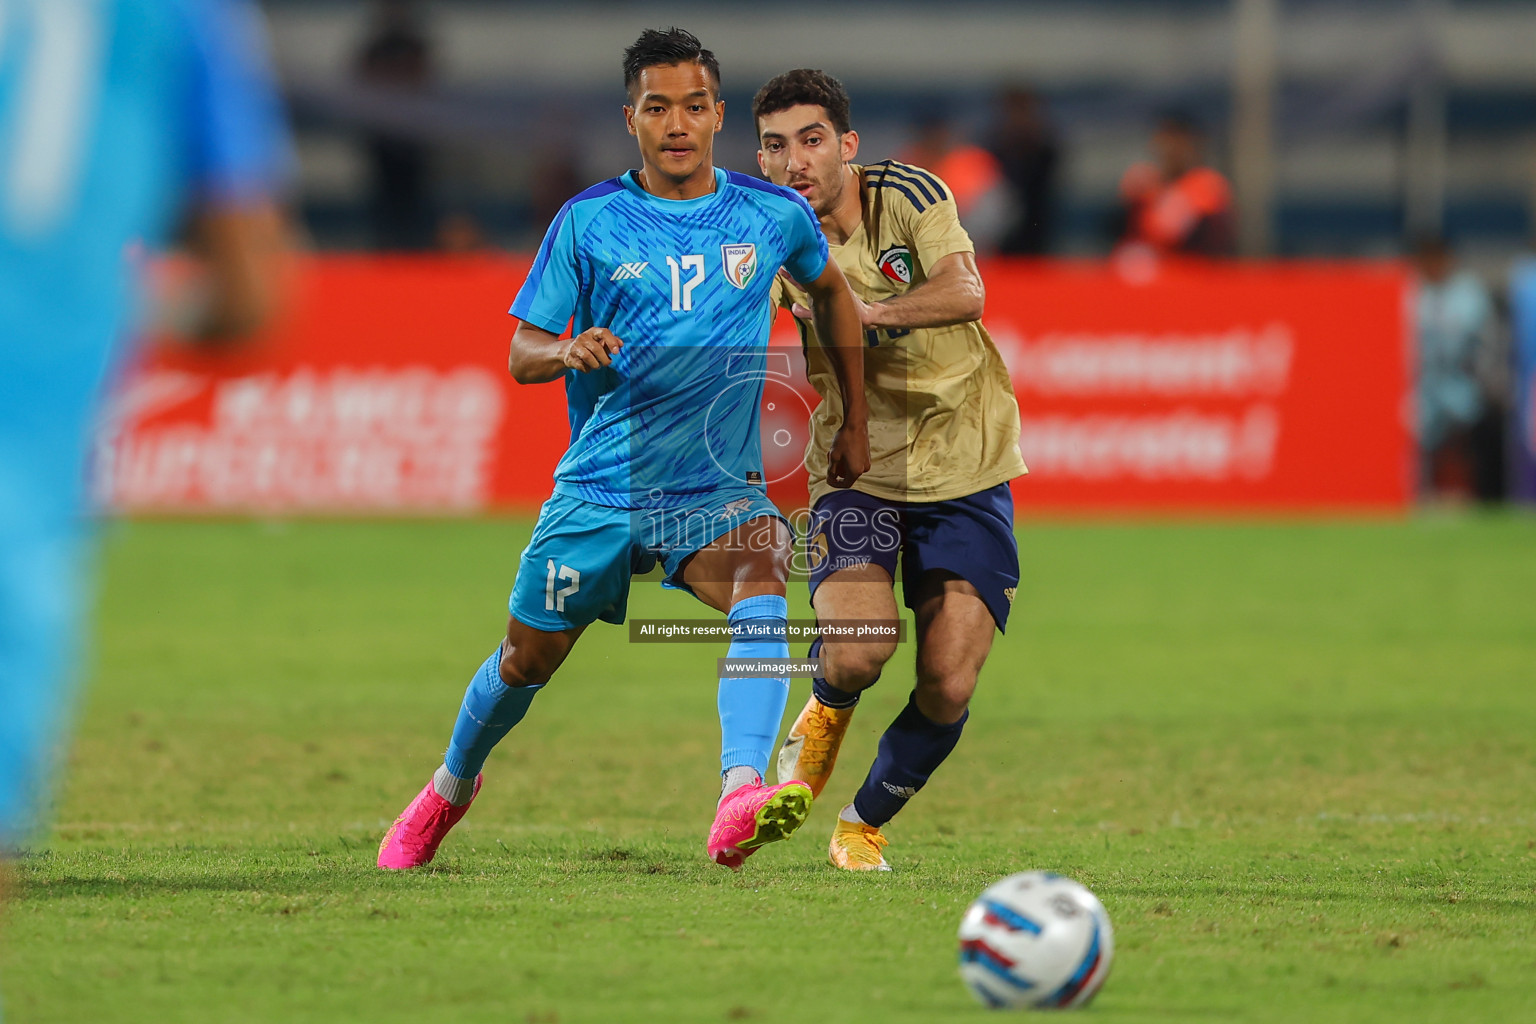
{"points": [[751, 709], [490, 709]]}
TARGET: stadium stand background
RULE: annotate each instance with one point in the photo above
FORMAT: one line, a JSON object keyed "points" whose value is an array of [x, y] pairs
{"points": [[1388, 117]]}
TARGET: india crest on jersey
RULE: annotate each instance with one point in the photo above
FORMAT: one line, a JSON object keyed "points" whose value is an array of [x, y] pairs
{"points": [[740, 262]]}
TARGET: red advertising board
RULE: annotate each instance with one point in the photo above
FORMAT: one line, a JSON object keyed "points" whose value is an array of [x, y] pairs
{"points": [[1208, 387], [385, 390]]}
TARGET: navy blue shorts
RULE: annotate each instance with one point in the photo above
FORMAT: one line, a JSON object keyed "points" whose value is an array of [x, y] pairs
{"points": [[971, 537]]}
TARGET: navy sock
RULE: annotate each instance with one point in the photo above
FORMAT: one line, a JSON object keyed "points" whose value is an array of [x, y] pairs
{"points": [[911, 749], [490, 709], [829, 695]]}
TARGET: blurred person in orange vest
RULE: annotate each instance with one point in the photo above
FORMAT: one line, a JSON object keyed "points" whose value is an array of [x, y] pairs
{"points": [[1176, 204], [974, 177]]}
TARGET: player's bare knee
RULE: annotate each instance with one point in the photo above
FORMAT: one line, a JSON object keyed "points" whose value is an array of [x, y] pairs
{"points": [[944, 697], [854, 667], [771, 563], [522, 667]]}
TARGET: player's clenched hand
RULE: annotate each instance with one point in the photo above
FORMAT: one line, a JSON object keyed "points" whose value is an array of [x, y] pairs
{"points": [[592, 349], [848, 458]]}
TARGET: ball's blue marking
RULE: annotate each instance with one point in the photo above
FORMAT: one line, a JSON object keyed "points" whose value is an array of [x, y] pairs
{"points": [[1010, 918], [987, 960], [986, 995], [1079, 978]]}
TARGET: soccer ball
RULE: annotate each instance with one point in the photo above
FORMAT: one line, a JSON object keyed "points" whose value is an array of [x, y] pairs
{"points": [[1035, 939]]}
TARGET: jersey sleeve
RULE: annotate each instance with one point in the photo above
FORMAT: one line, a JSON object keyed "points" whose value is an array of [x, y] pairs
{"points": [[549, 296], [808, 253], [238, 141], [935, 232]]}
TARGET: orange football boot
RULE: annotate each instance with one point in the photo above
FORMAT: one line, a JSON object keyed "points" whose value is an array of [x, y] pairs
{"points": [[810, 750], [856, 847]]}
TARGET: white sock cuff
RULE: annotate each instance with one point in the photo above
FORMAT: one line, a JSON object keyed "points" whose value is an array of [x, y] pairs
{"points": [[733, 779], [450, 787]]}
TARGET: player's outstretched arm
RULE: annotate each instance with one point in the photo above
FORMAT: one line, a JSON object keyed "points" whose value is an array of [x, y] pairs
{"points": [[538, 356], [952, 294], [837, 321]]}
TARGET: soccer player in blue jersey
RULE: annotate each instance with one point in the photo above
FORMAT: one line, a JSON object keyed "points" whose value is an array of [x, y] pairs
{"points": [[117, 117], [663, 275]]}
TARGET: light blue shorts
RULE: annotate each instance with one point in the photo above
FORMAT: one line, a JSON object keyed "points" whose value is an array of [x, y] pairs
{"points": [[578, 565]]}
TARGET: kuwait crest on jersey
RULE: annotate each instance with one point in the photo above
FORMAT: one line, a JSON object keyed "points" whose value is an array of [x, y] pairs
{"points": [[896, 264], [740, 262]]}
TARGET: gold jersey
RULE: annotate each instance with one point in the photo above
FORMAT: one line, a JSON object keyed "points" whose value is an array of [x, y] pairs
{"points": [[943, 419]]}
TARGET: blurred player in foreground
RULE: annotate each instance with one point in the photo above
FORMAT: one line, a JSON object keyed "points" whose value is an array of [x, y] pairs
{"points": [[944, 433], [117, 117], [667, 273]]}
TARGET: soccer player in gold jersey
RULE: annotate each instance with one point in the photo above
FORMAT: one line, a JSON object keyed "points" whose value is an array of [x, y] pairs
{"points": [[943, 432]]}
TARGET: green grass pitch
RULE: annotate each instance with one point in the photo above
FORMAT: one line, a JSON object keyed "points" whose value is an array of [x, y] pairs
{"points": [[1296, 761]]}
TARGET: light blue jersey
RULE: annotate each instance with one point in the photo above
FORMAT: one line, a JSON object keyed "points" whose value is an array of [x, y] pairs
{"points": [[685, 285], [113, 113]]}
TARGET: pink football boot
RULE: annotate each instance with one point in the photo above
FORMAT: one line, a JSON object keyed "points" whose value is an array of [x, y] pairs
{"points": [[413, 839], [755, 815]]}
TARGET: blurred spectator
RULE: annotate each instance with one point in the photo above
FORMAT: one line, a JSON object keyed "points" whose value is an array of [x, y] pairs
{"points": [[1028, 154], [397, 57], [1176, 204], [556, 177], [1462, 379], [972, 174], [460, 234]]}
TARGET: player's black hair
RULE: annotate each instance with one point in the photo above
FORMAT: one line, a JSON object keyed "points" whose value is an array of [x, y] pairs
{"points": [[656, 48], [804, 87]]}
